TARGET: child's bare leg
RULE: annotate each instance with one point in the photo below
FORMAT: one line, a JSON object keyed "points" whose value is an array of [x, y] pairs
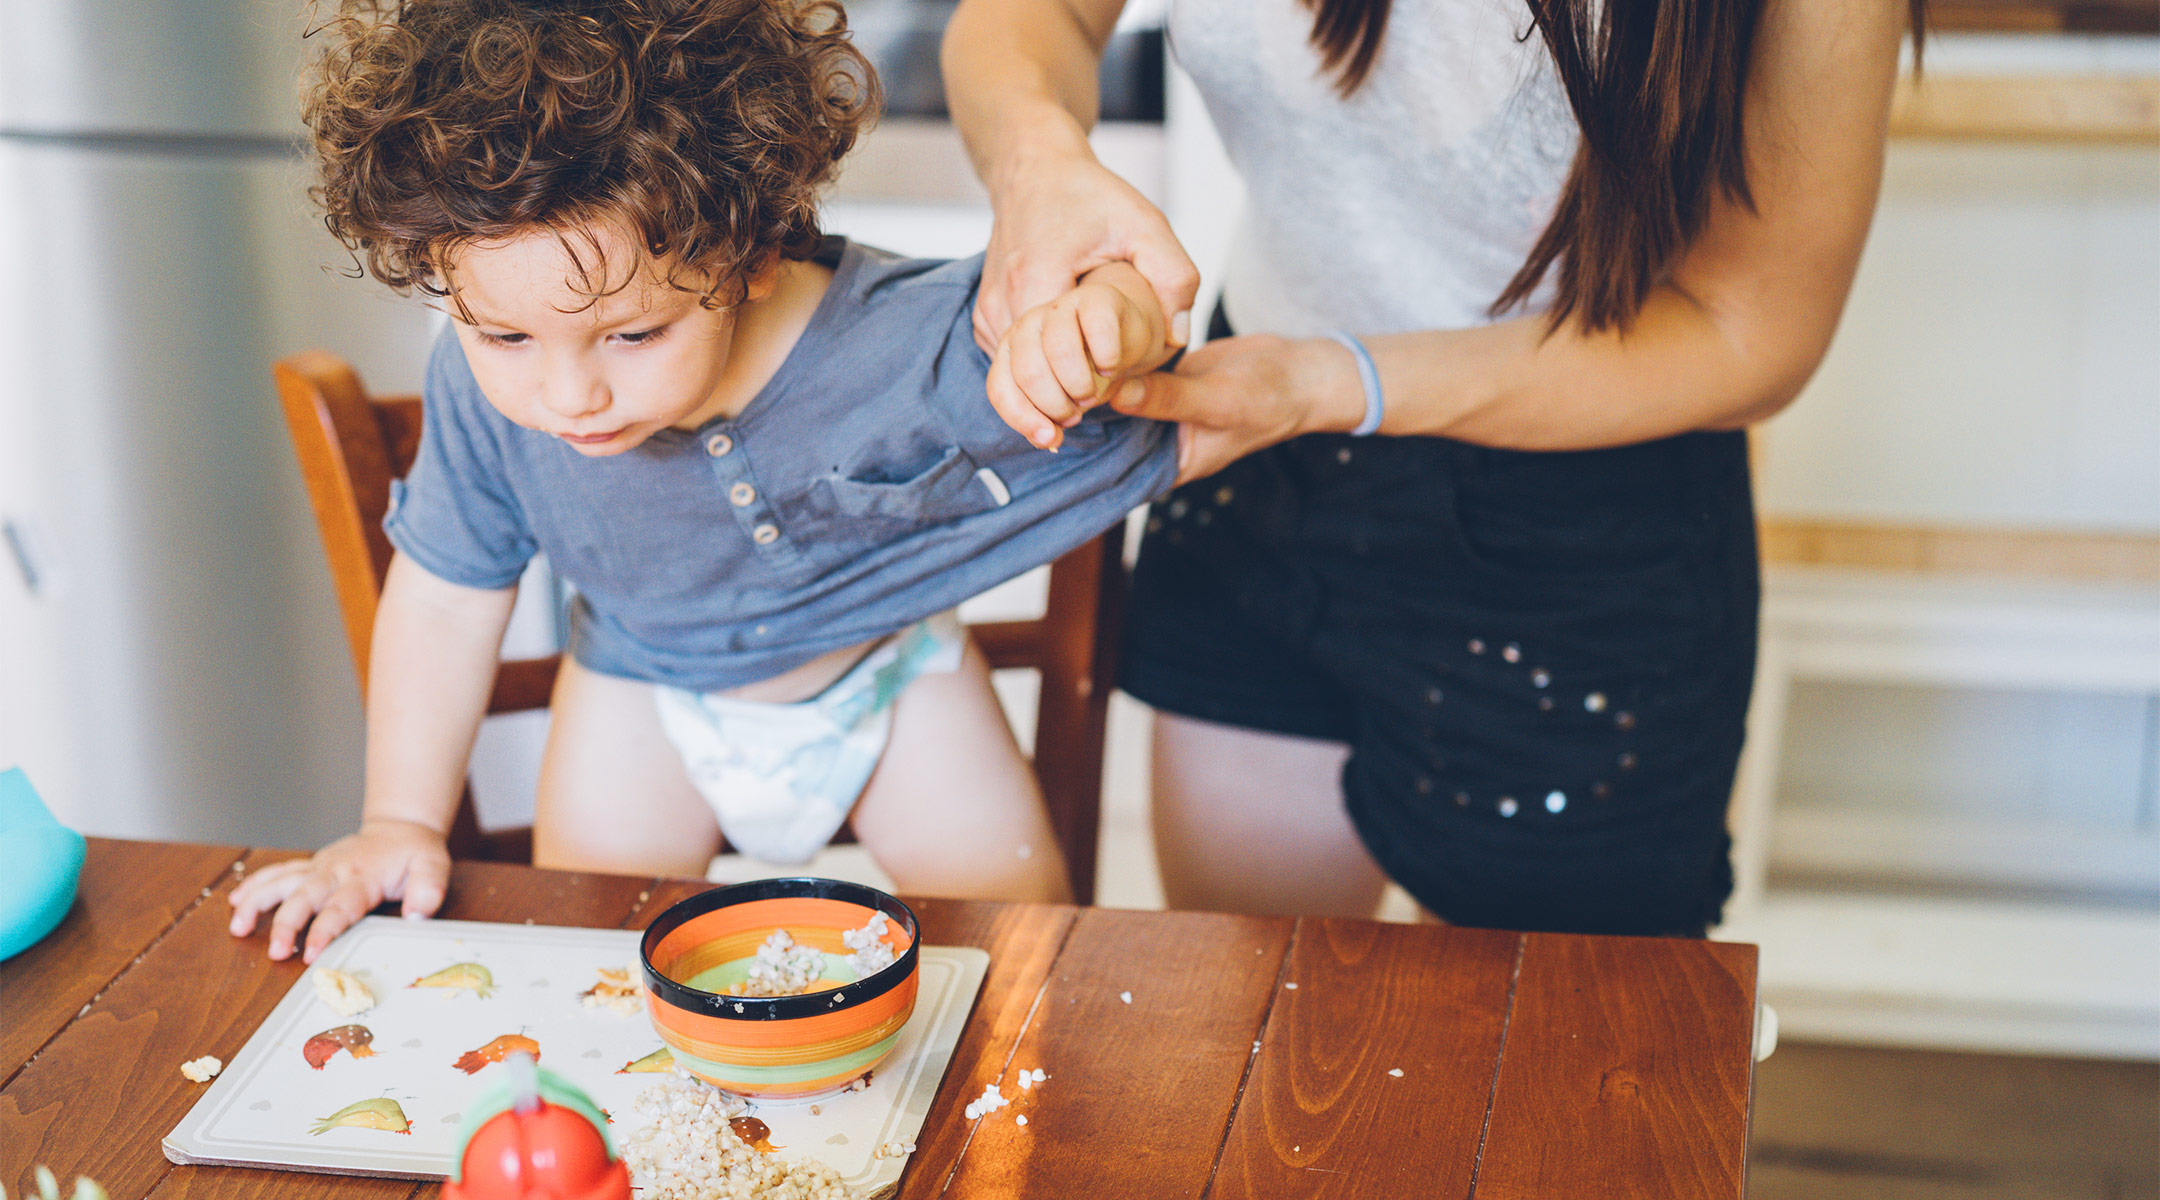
{"points": [[953, 809], [613, 793]]}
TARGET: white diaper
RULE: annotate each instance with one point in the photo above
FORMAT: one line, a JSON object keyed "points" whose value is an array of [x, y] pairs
{"points": [[782, 778]]}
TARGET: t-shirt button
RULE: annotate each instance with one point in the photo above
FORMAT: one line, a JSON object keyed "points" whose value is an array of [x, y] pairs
{"points": [[719, 444], [765, 535], [741, 495]]}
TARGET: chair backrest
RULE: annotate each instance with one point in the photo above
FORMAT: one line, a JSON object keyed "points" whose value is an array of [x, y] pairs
{"points": [[351, 445]]}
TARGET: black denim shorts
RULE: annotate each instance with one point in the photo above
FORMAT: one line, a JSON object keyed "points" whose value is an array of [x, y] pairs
{"points": [[1541, 661]]}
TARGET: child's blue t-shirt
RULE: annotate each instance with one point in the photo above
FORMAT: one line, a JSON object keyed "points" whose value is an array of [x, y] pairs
{"points": [[868, 485]]}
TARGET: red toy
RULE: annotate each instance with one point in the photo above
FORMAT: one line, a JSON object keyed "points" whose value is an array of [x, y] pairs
{"points": [[535, 1136]]}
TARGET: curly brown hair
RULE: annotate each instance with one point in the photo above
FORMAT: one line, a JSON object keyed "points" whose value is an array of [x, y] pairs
{"points": [[705, 128]]}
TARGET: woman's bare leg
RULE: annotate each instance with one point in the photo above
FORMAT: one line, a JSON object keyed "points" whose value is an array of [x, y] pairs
{"points": [[1253, 822], [953, 808], [613, 792]]}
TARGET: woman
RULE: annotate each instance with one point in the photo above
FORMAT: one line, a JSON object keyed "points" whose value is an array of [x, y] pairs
{"points": [[1503, 653]]}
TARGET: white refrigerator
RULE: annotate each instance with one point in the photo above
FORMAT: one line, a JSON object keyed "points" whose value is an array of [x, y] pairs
{"points": [[170, 657]]}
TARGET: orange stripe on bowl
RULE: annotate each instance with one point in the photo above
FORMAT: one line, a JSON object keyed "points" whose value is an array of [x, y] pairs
{"points": [[840, 1022], [813, 921]]}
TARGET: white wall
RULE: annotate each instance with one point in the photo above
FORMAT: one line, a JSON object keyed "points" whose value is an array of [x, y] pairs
{"points": [[1999, 362]]}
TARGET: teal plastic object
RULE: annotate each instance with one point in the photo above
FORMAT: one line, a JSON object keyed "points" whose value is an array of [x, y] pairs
{"points": [[40, 860]]}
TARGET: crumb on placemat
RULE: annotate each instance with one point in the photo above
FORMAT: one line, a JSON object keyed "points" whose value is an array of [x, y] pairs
{"points": [[201, 1070], [689, 1152], [346, 995], [617, 992]]}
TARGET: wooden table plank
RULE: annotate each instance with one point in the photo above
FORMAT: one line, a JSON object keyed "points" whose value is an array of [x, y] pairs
{"points": [[1139, 1094], [1624, 1063], [1626, 1072], [248, 1183], [1322, 1115], [202, 991], [129, 895], [1024, 941], [102, 1095]]}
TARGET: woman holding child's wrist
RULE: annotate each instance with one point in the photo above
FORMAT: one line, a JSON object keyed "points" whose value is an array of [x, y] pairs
{"points": [[1503, 652]]}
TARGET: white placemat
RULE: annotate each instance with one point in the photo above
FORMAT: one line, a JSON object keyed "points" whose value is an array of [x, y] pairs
{"points": [[259, 1112]]}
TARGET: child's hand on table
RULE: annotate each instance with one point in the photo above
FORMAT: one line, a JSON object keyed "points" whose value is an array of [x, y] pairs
{"points": [[388, 859], [1062, 358]]}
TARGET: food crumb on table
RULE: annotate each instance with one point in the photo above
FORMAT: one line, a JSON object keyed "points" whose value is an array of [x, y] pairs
{"points": [[989, 1102], [1289, 987], [202, 1070], [1125, 996], [1396, 1072], [1020, 1120]]}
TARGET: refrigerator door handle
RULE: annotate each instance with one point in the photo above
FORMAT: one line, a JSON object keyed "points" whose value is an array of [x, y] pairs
{"points": [[22, 549]]}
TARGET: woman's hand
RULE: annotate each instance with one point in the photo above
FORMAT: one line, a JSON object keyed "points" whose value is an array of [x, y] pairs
{"points": [[387, 860], [1059, 218], [1238, 395]]}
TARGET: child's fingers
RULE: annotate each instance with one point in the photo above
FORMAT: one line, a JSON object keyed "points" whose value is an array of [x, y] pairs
{"points": [[292, 916], [261, 891], [1146, 339], [347, 904], [1034, 385], [1037, 379], [1012, 404], [1065, 353], [428, 879], [1103, 327]]}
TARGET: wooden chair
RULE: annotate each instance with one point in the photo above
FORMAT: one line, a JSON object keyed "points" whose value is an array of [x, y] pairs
{"points": [[352, 445]]}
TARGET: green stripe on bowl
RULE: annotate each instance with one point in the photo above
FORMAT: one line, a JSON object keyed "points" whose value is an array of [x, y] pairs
{"points": [[861, 1060]]}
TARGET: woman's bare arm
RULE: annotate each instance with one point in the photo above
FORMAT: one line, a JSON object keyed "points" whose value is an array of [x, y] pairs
{"points": [[1020, 79], [1729, 340]]}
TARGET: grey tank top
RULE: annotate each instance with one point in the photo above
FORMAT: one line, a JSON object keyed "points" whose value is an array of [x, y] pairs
{"points": [[1407, 206]]}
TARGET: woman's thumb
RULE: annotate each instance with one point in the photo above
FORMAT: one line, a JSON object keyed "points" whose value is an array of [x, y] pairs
{"points": [[1157, 395]]}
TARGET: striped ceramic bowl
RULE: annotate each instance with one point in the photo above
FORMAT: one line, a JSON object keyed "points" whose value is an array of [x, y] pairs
{"points": [[780, 1047]]}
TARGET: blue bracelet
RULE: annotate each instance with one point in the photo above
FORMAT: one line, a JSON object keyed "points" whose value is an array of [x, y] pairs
{"points": [[1369, 375]]}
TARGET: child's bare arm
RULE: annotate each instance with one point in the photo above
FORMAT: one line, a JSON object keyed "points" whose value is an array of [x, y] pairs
{"points": [[1060, 359], [431, 665]]}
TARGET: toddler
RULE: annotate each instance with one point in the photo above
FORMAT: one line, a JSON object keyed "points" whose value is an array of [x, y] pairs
{"points": [[764, 458]]}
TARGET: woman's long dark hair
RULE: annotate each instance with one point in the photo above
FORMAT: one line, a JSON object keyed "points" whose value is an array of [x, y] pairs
{"points": [[1657, 87]]}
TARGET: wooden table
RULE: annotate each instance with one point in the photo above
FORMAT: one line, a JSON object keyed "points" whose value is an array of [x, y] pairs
{"points": [[1258, 1056]]}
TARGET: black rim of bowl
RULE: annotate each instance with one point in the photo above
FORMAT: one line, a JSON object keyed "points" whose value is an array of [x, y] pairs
{"points": [[778, 1008]]}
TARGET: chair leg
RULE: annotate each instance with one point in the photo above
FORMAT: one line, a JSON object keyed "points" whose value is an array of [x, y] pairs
{"points": [[1087, 592]]}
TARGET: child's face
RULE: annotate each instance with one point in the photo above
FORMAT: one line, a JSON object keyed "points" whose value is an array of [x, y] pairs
{"points": [[601, 375]]}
